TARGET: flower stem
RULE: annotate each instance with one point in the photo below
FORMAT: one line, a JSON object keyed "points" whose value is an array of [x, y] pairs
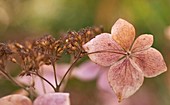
{"points": [[43, 85], [44, 80], [5, 74], [104, 51], [55, 76], [72, 65]]}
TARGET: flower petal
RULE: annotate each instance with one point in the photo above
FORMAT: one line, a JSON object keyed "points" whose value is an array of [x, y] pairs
{"points": [[142, 42], [53, 99], [123, 33], [150, 61], [87, 71], [125, 78], [15, 99], [102, 82], [106, 47]]}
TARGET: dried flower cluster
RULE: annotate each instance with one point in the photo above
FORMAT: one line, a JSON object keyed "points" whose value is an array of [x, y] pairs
{"points": [[31, 54], [5, 54], [74, 41]]}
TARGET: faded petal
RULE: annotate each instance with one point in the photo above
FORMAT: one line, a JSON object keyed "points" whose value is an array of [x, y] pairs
{"points": [[53, 99], [150, 61], [123, 33], [15, 99], [125, 78], [87, 71], [102, 82], [105, 48], [142, 42]]}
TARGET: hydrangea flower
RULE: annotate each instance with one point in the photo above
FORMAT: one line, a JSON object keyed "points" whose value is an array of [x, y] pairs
{"points": [[129, 61]]}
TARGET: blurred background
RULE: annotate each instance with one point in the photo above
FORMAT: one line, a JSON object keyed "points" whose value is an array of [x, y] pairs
{"points": [[20, 19]]}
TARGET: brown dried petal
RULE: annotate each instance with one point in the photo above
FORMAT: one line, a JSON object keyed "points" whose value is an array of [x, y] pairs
{"points": [[123, 33]]}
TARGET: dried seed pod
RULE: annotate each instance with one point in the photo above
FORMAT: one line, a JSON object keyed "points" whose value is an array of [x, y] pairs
{"points": [[74, 40], [31, 54]]}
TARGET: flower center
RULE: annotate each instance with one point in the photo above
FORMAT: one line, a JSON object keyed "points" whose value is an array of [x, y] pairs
{"points": [[128, 53]]}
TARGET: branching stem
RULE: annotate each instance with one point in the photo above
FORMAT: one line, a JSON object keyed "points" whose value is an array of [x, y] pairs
{"points": [[13, 80], [44, 80], [55, 76], [72, 65]]}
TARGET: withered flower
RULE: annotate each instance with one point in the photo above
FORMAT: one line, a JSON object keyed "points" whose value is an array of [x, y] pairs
{"points": [[5, 55], [30, 55], [74, 41]]}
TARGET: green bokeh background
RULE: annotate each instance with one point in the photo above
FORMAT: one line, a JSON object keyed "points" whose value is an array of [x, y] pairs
{"points": [[20, 19]]}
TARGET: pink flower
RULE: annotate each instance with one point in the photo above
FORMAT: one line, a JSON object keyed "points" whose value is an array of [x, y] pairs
{"points": [[129, 61]]}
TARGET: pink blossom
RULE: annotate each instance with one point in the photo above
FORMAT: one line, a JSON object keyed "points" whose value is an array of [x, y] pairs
{"points": [[87, 71], [129, 61]]}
